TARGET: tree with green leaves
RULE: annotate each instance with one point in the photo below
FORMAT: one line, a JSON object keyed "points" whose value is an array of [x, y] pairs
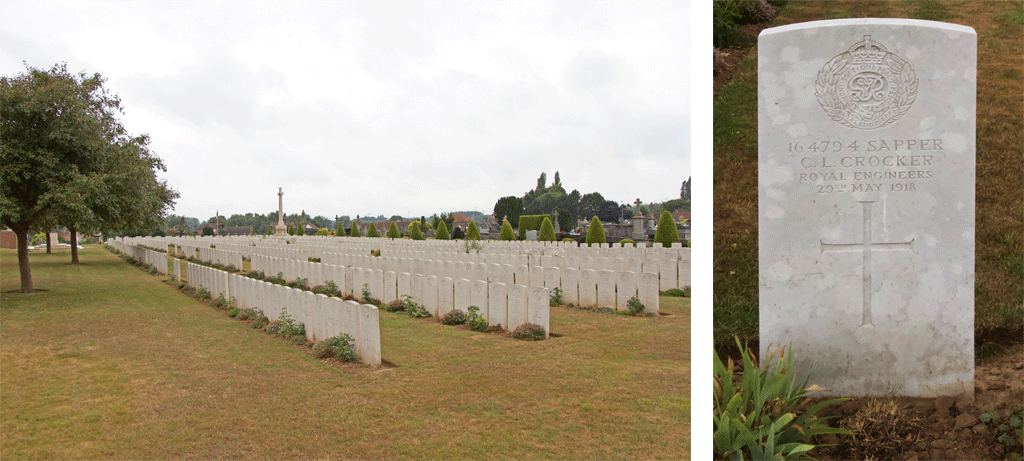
{"points": [[510, 208], [371, 231], [547, 231], [66, 158], [595, 234], [414, 231], [472, 232], [300, 229], [393, 231], [355, 232], [506, 231], [442, 231], [339, 231], [667, 232], [684, 191]]}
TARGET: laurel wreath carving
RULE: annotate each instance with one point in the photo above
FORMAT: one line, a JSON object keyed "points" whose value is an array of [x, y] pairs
{"points": [[826, 88], [826, 85]]}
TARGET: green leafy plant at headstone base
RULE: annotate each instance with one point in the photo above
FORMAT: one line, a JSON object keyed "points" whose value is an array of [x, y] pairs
{"points": [[472, 232], [556, 297], [667, 233], [476, 321], [595, 234], [506, 231], [634, 306], [764, 416], [1009, 427]]}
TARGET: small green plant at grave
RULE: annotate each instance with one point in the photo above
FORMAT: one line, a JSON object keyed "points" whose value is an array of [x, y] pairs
{"points": [[375, 253], [677, 293], [344, 347], [203, 293], [233, 312], [1009, 425], [301, 283], [323, 350], [556, 297], [567, 239], [455, 317], [288, 326], [367, 297], [397, 305], [627, 241], [475, 321], [328, 289], [469, 245], [277, 279], [259, 319], [634, 306], [766, 415], [231, 268], [258, 275], [217, 266], [529, 332], [153, 270], [413, 309]]}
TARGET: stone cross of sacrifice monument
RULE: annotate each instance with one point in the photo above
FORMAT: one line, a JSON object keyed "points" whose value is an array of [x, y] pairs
{"points": [[280, 228], [866, 164]]}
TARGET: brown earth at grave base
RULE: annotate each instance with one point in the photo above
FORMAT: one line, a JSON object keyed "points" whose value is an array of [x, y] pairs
{"points": [[944, 428]]}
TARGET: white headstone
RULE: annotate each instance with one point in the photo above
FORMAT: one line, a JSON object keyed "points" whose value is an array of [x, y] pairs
{"points": [[497, 304], [866, 171]]}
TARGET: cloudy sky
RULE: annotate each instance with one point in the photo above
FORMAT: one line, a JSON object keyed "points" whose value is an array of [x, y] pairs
{"points": [[359, 107]]}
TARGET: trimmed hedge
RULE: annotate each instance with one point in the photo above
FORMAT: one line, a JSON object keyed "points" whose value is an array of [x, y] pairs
{"points": [[532, 222]]}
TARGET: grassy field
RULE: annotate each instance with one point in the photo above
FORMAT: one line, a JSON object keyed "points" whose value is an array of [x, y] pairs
{"points": [[999, 253], [111, 362]]}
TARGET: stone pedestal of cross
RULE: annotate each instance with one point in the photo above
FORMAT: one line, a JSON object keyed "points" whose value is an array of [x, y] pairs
{"points": [[866, 246], [280, 229]]}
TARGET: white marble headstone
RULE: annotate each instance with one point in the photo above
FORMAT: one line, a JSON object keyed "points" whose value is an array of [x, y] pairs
{"points": [[866, 165]]}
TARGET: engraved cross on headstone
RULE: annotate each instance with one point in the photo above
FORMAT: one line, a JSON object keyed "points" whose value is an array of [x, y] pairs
{"points": [[866, 246]]}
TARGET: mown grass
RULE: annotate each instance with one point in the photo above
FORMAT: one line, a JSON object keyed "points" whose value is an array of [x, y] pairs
{"points": [[111, 362], [999, 253]]}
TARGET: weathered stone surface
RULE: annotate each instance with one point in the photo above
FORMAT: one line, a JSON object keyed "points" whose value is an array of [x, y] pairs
{"points": [[866, 200]]}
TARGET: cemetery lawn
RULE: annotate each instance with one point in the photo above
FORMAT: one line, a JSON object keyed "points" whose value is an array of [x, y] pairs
{"points": [[999, 244], [111, 362]]}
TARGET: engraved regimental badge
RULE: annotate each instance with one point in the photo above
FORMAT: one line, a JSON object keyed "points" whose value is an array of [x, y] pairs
{"points": [[866, 87]]}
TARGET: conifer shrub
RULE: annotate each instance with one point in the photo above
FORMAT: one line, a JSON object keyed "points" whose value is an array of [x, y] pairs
{"points": [[506, 232], [291, 230], [667, 233], [442, 231], [547, 231], [393, 231], [458, 234], [339, 231], [414, 231], [472, 232], [300, 229], [355, 230], [372, 231], [596, 232]]}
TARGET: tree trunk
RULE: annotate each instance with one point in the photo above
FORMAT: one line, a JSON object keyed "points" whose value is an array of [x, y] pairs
{"points": [[74, 244], [26, 273], [48, 243]]}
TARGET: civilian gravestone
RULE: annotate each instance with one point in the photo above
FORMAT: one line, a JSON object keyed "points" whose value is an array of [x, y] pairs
{"points": [[866, 203]]}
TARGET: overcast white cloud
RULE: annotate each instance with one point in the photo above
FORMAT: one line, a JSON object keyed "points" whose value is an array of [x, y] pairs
{"points": [[405, 108]]}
